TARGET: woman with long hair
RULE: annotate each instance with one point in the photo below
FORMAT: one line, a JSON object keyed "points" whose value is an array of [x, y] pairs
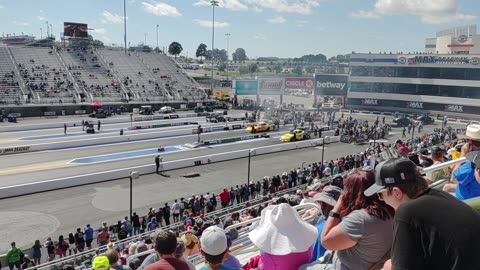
{"points": [[359, 229], [37, 252]]}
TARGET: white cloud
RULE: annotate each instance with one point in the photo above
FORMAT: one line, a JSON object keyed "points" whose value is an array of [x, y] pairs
{"points": [[40, 18], [257, 9], [259, 37], [207, 23], [99, 31], [111, 18], [429, 11], [21, 23], [228, 4], [300, 23], [287, 6], [161, 9], [278, 19], [1, 6], [363, 14]]}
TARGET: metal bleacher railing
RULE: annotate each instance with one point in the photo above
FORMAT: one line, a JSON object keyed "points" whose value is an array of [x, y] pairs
{"points": [[77, 259]]}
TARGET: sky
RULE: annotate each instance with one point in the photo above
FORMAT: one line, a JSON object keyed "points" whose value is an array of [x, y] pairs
{"points": [[280, 28]]}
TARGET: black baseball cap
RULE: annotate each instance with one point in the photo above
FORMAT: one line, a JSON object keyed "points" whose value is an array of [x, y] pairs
{"points": [[393, 172], [474, 157]]}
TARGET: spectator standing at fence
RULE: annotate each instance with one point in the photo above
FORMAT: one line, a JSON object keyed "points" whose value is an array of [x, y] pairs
{"points": [[425, 238], [62, 247], [83, 125], [98, 125], [65, 128], [88, 236], [136, 223], [176, 211], [50, 249], [79, 240], [224, 197], [103, 236], [71, 244], [166, 214], [37, 252]]}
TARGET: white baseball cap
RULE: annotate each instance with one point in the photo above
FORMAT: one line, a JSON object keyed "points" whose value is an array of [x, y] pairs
{"points": [[213, 241]]}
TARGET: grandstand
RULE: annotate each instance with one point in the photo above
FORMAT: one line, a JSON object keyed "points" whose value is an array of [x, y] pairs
{"points": [[41, 75], [10, 88], [96, 81], [45, 76]]}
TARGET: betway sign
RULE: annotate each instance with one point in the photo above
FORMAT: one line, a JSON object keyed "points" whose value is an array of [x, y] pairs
{"points": [[300, 83], [331, 85], [271, 86]]}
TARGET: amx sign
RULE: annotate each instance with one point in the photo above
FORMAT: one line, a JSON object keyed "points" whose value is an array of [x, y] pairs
{"points": [[454, 108], [425, 59], [414, 105], [370, 102], [331, 85]]}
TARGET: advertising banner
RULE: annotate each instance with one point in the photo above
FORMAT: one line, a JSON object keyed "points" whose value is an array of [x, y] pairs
{"points": [[307, 84], [331, 85], [245, 87], [271, 86]]}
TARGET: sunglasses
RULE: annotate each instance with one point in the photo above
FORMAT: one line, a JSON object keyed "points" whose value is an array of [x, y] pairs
{"points": [[380, 194]]}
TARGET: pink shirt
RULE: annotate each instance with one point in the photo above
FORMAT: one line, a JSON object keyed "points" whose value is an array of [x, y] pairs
{"points": [[284, 262]]}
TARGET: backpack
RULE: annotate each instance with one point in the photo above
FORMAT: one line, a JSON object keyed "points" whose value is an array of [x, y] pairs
{"points": [[65, 246]]}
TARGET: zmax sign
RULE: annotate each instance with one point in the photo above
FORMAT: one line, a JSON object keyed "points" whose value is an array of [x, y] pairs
{"points": [[331, 85]]}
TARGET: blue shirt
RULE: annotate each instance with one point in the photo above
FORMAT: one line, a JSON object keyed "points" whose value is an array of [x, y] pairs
{"points": [[467, 187], [88, 233], [318, 249], [152, 225]]}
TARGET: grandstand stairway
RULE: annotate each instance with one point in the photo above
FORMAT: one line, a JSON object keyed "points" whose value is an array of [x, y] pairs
{"points": [[11, 88]]}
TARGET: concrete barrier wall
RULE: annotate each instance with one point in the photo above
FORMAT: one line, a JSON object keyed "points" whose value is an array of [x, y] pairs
{"points": [[59, 125], [24, 189]]}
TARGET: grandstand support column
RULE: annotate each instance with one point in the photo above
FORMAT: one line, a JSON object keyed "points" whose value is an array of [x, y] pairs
{"points": [[214, 4], [157, 38], [323, 155], [125, 24], [133, 175]]}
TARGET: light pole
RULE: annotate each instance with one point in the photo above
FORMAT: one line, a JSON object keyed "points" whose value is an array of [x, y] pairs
{"points": [[41, 33], [214, 4], [250, 151], [157, 39], [323, 154], [46, 22], [145, 40], [125, 24], [133, 175], [228, 40]]}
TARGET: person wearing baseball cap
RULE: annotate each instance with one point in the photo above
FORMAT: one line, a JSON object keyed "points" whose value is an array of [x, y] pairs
{"points": [[438, 156], [101, 263], [214, 245], [433, 229], [327, 200], [462, 182]]}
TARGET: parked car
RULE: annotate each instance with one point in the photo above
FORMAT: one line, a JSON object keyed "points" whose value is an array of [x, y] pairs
{"points": [[200, 109], [401, 122], [425, 119], [166, 109]]}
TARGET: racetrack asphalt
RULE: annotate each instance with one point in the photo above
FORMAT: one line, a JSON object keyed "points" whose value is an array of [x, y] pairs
{"points": [[38, 216]]}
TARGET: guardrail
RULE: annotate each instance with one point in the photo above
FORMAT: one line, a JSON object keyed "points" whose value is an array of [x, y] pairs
{"points": [[78, 258], [78, 180]]}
